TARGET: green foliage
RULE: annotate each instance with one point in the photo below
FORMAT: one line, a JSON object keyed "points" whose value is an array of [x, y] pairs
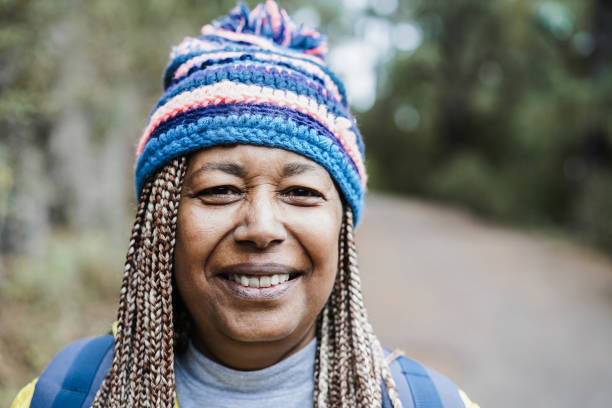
{"points": [[592, 210], [513, 102], [69, 290], [468, 178]]}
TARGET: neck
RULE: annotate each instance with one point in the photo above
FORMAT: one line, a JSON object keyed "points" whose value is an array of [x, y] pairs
{"points": [[249, 356]]}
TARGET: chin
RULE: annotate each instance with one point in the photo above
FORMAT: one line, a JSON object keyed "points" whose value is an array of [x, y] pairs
{"points": [[263, 329]]}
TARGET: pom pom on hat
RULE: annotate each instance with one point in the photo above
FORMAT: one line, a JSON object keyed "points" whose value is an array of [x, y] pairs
{"points": [[271, 22]]}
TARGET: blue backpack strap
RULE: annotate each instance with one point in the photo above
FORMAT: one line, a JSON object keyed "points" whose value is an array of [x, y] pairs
{"points": [[447, 390], [424, 392], [402, 386], [414, 385], [73, 377]]}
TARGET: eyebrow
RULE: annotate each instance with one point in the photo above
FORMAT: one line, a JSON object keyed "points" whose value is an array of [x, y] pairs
{"points": [[230, 168], [295, 168], [289, 169]]}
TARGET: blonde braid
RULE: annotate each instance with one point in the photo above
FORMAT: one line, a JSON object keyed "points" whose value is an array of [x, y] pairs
{"points": [[142, 372], [345, 333]]}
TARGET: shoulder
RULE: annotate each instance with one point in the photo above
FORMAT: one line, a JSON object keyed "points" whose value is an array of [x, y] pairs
{"points": [[74, 373], [419, 385]]}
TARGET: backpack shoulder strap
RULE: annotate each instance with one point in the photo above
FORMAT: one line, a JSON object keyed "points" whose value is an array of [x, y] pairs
{"points": [[422, 388], [415, 387], [73, 377]]}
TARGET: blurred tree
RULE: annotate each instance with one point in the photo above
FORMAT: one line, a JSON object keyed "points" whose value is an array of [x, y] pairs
{"points": [[76, 83], [512, 99]]}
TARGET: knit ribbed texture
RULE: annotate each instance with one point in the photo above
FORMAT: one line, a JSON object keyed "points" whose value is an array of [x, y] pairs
{"points": [[255, 77]]}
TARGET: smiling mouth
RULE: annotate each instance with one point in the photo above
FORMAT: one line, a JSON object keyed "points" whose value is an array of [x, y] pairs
{"points": [[255, 281], [259, 276]]}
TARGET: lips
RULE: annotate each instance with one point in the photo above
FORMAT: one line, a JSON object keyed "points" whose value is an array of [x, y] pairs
{"points": [[259, 281]]}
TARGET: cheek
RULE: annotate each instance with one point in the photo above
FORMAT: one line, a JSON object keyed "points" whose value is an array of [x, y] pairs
{"points": [[320, 240], [323, 250], [319, 234], [198, 233]]}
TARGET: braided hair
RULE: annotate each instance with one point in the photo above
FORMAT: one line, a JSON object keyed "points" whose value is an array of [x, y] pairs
{"points": [[152, 323]]}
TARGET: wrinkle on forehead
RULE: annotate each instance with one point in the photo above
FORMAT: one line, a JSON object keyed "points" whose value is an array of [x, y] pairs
{"points": [[243, 160]]}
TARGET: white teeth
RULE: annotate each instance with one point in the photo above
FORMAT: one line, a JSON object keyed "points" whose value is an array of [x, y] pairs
{"points": [[254, 282], [260, 282]]}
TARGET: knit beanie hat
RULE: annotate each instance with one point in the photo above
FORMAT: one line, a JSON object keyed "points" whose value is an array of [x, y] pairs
{"points": [[255, 77]]}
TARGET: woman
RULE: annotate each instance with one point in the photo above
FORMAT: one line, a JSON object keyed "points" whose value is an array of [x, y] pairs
{"points": [[241, 284]]}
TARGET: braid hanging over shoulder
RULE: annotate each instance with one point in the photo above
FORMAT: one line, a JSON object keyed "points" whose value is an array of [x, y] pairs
{"points": [[142, 372], [350, 363]]}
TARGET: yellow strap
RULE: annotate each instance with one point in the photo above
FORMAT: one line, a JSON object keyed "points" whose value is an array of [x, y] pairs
{"points": [[466, 400], [24, 397]]}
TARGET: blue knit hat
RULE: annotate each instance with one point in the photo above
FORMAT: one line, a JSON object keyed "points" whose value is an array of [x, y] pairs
{"points": [[255, 77]]}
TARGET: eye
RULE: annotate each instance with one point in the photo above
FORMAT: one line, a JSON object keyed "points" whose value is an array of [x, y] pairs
{"points": [[302, 195], [220, 190], [219, 195], [303, 192]]}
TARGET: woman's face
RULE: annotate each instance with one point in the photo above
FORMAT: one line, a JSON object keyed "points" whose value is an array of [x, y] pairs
{"points": [[256, 251]]}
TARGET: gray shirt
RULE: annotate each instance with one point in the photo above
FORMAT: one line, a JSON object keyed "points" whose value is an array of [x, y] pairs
{"points": [[200, 382]]}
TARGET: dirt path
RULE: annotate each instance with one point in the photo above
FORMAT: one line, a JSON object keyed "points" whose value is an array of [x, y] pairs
{"points": [[516, 320]]}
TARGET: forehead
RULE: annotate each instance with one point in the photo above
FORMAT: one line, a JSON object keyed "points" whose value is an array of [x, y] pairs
{"points": [[245, 160]]}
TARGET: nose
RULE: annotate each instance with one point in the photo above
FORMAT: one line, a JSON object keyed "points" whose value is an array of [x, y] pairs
{"points": [[261, 225]]}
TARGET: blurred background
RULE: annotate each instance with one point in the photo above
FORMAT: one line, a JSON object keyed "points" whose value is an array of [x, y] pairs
{"points": [[487, 237]]}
